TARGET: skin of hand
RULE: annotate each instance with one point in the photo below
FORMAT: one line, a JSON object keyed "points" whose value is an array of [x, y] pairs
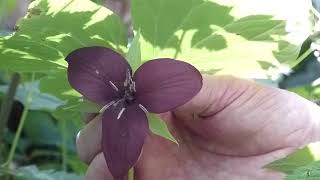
{"points": [[229, 130]]}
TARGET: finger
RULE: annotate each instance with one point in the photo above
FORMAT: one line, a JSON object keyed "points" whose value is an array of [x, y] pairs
{"points": [[98, 169], [89, 140], [217, 92]]}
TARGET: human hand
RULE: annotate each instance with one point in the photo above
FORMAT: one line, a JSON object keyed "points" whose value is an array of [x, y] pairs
{"points": [[230, 130]]}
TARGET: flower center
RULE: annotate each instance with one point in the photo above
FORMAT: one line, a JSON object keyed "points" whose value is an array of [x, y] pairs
{"points": [[129, 89], [127, 98]]}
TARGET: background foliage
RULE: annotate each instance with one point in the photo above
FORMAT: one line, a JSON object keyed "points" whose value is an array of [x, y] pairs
{"points": [[263, 40]]}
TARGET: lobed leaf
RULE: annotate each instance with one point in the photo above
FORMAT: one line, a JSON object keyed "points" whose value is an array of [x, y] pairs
{"points": [[217, 35], [52, 30]]}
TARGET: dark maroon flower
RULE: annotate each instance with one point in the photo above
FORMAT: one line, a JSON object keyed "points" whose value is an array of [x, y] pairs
{"points": [[105, 77]]}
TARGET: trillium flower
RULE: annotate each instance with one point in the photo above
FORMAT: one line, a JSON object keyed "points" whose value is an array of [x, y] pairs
{"points": [[105, 77]]}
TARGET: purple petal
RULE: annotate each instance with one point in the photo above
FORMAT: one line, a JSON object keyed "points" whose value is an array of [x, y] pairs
{"points": [[122, 139], [91, 69], [164, 84]]}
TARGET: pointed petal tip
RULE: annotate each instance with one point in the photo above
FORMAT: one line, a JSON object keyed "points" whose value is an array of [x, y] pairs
{"points": [[123, 139]]}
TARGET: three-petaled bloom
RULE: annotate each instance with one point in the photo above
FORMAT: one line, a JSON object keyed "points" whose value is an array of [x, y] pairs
{"points": [[105, 77]]}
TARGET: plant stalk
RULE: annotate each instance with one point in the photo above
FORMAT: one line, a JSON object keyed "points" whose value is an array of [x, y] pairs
{"points": [[64, 145], [20, 127], [131, 174], [302, 57], [6, 107]]}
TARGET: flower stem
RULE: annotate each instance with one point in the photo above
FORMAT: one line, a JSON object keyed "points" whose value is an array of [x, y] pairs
{"points": [[20, 127], [131, 174]]}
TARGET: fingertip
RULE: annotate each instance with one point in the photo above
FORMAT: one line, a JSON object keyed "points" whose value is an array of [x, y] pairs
{"points": [[98, 169], [88, 140]]}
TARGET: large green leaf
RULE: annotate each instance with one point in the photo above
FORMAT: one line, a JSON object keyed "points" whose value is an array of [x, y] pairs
{"points": [[230, 36], [51, 30]]}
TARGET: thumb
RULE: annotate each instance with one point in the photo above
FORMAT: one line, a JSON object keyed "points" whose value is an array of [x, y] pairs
{"points": [[216, 94]]}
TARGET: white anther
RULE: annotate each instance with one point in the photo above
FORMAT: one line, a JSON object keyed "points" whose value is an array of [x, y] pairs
{"points": [[134, 86], [106, 106], [113, 86], [121, 112], [143, 108]]}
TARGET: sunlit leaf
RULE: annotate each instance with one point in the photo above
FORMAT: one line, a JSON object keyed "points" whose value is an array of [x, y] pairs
{"points": [[229, 36], [51, 30]]}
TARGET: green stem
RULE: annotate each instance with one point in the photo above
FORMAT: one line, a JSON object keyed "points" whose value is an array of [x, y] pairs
{"points": [[20, 127], [64, 145], [6, 105], [131, 174]]}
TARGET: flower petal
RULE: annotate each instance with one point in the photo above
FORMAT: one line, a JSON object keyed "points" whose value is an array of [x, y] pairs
{"points": [[91, 69], [122, 139], [164, 84]]}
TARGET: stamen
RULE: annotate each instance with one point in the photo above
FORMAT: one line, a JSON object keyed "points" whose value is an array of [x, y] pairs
{"points": [[125, 84], [130, 77], [134, 86], [143, 108], [121, 112], [113, 86], [106, 106]]}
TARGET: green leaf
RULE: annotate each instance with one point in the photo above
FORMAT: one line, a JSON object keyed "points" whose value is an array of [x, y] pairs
{"points": [[300, 158], [309, 172], [40, 101], [222, 35], [307, 91], [52, 30], [58, 86], [77, 165], [134, 53], [33, 173], [6, 7], [40, 129], [159, 127]]}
